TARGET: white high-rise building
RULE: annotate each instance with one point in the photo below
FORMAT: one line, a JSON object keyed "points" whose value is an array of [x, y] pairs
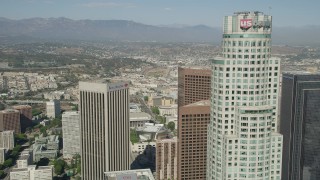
{"points": [[71, 133], [104, 127], [53, 108], [7, 139], [243, 142]]}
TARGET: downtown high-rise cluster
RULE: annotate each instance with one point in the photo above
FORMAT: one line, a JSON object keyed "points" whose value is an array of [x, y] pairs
{"points": [[228, 117]]}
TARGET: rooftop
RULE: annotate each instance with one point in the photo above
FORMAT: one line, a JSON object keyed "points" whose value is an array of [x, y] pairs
{"points": [[174, 139], [23, 157], [199, 103], [9, 111], [301, 73], [139, 116], [70, 113], [139, 174], [150, 127]]}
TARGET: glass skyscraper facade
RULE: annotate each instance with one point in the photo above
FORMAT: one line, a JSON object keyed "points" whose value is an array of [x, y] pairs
{"points": [[300, 126], [243, 142]]}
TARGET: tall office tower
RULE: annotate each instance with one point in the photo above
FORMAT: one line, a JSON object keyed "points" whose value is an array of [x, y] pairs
{"points": [[71, 133], [10, 120], [53, 108], [192, 147], [104, 128], [243, 142], [6, 139], [25, 116], [166, 159], [300, 126], [193, 85]]}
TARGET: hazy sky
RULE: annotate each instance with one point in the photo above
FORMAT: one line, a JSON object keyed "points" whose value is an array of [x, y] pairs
{"points": [[164, 12]]}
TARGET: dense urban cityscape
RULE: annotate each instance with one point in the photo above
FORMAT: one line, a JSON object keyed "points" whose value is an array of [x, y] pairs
{"points": [[147, 110]]}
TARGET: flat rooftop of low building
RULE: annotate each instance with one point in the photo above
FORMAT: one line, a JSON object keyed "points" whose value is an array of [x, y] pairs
{"points": [[143, 174], [21, 107], [200, 103], [139, 116], [23, 157], [150, 127], [19, 169], [44, 167], [174, 139], [70, 113], [9, 111]]}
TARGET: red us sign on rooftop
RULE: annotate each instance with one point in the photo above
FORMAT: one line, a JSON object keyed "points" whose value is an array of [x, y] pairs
{"points": [[245, 23]]}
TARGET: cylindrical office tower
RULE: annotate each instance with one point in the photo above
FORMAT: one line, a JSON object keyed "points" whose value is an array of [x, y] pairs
{"points": [[243, 142]]}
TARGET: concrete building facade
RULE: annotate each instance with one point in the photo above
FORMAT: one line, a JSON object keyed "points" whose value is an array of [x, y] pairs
{"points": [[243, 138], [137, 174], [45, 147], [193, 85], [168, 110], [138, 119], [71, 133], [7, 139], [166, 159], [300, 126], [162, 101], [3, 155], [10, 120], [25, 116], [53, 108], [32, 173], [104, 128], [192, 133]]}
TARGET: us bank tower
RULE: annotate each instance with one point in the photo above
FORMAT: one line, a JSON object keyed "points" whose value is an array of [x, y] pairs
{"points": [[243, 138]]}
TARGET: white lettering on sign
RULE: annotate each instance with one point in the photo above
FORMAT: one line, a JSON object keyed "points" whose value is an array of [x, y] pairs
{"points": [[245, 23], [118, 87]]}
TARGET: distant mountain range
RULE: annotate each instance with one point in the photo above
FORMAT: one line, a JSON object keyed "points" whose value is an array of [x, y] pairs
{"points": [[121, 30]]}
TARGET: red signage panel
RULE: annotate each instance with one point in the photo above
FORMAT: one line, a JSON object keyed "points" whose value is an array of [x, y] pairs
{"points": [[245, 23]]}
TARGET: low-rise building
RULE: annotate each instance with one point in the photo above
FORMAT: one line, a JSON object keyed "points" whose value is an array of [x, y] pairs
{"points": [[23, 161], [25, 158], [139, 147], [171, 110], [45, 147], [138, 119], [134, 108], [32, 173], [51, 142], [162, 101], [40, 151], [151, 132], [137, 174]]}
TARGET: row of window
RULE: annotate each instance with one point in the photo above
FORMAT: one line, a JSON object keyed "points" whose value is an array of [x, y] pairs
{"points": [[241, 50], [247, 43]]}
